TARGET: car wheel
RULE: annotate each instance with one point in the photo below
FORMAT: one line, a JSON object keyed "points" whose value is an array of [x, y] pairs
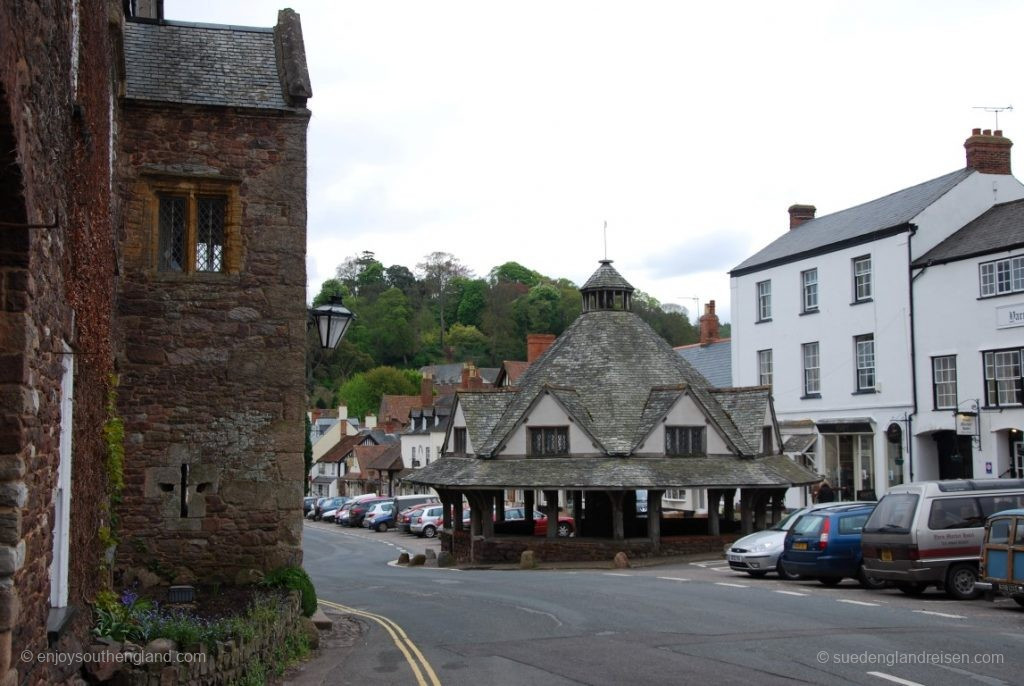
{"points": [[382, 527], [830, 580], [429, 531], [757, 574], [911, 587], [870, 582], [783, 574], [564, 530], [960, 582]]}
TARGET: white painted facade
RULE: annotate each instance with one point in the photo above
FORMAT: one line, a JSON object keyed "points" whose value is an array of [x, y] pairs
{"points": [[853, 449], [953, 320]]}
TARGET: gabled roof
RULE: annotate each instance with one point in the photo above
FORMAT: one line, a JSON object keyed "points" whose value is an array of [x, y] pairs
{"points": [[346, 445], [202, 64], [397, 407], [714, 360], [748, 408], [389, 458], [366, 454], [612, 360], [871, 220], [482, 410], [1000, 228], [511, 370]]}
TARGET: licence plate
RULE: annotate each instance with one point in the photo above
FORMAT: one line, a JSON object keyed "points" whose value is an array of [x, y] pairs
{"points": [[1011, 588], [799, 545], [886, 555], [735, 558]]}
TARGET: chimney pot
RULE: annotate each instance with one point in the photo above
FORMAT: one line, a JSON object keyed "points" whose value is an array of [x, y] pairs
{"points": [[799, 214], [709, 324], [427, 390], [997, 132], [987, 153]]}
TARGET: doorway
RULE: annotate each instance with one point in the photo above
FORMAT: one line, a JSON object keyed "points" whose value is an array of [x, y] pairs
{"points": [[956, 455]]}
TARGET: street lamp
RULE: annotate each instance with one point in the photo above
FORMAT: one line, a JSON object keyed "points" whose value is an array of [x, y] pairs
{"points": [[332, 321]]}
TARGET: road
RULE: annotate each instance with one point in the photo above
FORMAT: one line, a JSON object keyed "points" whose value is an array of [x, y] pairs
{"points": [[670, 624]]}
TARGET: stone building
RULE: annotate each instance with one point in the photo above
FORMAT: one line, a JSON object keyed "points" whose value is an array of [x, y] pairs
{"points": [[608, 410], [152, 238]]}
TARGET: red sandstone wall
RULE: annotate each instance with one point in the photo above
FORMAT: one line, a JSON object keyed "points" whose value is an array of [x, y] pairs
{"points": [[45, 276], [213, 365]]}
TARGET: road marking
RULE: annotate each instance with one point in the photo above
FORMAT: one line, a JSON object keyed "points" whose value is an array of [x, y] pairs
{"points": [[721, 583], [792, 593], [412, 654], [894, 679], [540, 612], [940, 614], [719, 569], [616, 574], [857, 602], [672, 578]]}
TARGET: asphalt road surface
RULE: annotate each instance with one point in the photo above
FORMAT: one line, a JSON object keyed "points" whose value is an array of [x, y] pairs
{"points": [[689, 623]]}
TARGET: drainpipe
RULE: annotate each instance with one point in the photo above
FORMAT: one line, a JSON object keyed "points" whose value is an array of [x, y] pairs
{"points": [[913, 353]]}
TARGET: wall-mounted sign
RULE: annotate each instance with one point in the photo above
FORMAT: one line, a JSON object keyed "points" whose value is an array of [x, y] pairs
{"points": [[1009, 316], [966, 423], [988, 467]]}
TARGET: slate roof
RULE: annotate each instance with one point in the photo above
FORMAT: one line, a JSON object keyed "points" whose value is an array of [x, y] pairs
{"points": [[713, 361], [483, 410], [799, 443], [614, 473], [1000, 228], [606, 277], [388, 458], [202, 64], [397, 407], [365, 455], [747, 407], [343, 447], [451, 374], [512, 370], [852, 225]]}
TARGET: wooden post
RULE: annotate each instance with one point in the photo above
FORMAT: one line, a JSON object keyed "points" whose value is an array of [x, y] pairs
{"points": [[778, 506], [729, 513], [528, 507], [551, 510], [456, 498], [761, 509], [714, 496], [499, 506], [446, 503], [746, 503], [618, 528], [654, 519]]}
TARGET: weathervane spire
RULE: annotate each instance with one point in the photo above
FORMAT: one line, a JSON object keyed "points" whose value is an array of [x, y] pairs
{"points": [[606, 239]]}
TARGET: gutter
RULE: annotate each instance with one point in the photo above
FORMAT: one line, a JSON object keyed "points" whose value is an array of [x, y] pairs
{"points": [[913, 352]]}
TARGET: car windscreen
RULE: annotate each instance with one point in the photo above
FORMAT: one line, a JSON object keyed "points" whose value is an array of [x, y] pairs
{"points": [[808, 525], [893, 514], [787, 521]]}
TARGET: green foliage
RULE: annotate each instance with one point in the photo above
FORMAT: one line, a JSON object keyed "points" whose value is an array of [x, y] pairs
{"points": [[121, 618], [467, 343], [330, 288], [362, 393], [515, 273], [472, 303], [295, 579]]}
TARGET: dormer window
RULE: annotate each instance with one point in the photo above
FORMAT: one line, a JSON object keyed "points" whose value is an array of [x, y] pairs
{"points": [[549, 440], [685, 441], [459, 435]]}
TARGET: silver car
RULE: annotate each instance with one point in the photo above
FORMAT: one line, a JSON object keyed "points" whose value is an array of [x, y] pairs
{"points": [[758, 553]]}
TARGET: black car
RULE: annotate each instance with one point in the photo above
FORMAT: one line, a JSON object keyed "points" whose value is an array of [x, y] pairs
{"points": [[307, 505]]}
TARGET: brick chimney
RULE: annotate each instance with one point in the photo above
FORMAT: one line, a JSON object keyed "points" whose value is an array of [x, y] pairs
{"points": [[427, 390], [537, 344], [798, 214], [709, 324], [988, 151], [476, 382]]}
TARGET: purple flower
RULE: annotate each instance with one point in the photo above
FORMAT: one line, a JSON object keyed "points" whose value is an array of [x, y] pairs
{"points": [[128, 597]]}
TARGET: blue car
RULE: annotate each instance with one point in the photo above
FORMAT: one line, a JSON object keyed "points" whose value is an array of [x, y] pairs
{"points": [[825, 545]]}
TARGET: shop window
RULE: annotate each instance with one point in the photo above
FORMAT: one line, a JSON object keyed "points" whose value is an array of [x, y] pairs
{"points": [[849, 465]]}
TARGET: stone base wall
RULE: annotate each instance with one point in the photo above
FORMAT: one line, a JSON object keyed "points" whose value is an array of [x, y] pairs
{"points": [[226, 663], [510, 548]]}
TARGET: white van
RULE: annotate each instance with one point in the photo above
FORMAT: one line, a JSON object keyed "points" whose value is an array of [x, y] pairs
{"points": [[929, 533]]}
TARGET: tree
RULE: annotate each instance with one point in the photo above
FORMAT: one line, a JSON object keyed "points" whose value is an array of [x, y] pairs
{"points": [[513, 272], [388, 332], [540, 311], [468, 343], [439, 269], [362, 393], [472, 302], [330, 288], [400, 277]]}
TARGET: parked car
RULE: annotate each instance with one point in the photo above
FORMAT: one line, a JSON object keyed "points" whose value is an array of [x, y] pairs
{"points": [[358, 511], [929, 533], [825, 545], [1002, 556], [341, 515], [404, 519], [381, 516], [314, 512], [428, 521], [761, 551], [307, 505], [566, 524], [403, 502], [330, 507]]}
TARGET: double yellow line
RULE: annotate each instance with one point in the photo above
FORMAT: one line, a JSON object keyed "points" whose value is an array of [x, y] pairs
{"points": [[421, 669]]}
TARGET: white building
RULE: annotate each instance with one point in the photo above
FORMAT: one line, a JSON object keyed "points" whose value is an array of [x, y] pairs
{"points": [[824, 315], [969, 328]]}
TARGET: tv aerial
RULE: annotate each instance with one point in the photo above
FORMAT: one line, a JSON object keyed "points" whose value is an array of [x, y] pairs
{"points": [[996, 111]]}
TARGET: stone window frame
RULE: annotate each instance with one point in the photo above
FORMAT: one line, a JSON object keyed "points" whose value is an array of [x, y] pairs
{"points": [[193, 188]]}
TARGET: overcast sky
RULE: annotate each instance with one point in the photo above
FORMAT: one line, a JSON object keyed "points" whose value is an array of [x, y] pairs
{"points": [[502, 131]]}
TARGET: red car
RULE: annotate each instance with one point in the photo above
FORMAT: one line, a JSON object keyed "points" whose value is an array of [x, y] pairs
{"points": [[566, 524]]}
